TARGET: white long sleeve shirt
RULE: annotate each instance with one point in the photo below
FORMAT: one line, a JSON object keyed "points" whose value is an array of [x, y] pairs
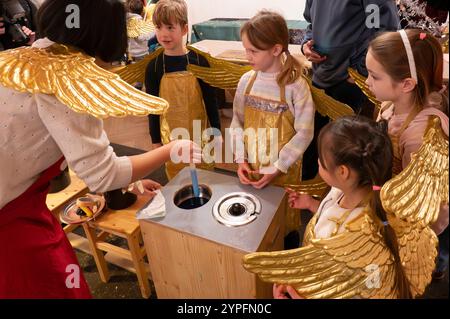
{"points": [[36, 130], [301, 105]]}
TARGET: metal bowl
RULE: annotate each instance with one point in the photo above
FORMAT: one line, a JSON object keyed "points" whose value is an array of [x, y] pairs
{"points": [[185, 199]]}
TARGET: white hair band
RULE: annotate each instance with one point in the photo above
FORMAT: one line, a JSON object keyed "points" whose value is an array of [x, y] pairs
{"points": [[409, 53]]}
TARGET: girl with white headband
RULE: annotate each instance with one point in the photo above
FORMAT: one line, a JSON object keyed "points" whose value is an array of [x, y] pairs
{"points": [[405, 73]]}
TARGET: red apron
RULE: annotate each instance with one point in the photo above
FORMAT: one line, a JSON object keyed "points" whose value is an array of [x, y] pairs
{"points": [[36, 258]]}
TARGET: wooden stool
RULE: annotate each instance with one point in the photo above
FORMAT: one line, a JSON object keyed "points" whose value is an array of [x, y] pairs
{"points": [[57, 201], [122, 223]]}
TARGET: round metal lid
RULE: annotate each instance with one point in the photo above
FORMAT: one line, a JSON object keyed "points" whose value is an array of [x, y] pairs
{"points": [[236, 209]]}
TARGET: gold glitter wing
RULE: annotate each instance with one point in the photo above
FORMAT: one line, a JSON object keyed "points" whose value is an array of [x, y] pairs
{"points": [[417, 193], [355, 263], [137, 27], [220, 73], [135, 72], [360, 81], [76, 81]]}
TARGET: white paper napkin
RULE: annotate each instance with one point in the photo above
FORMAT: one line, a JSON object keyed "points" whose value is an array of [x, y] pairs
{"points": [[155, 209]]}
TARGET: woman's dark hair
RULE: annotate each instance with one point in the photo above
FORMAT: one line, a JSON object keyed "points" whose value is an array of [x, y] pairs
{"points": [[365, 147], [102, 30]]}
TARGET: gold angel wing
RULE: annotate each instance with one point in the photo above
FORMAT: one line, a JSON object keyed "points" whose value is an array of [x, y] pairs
{"points": [[326, 105], [137, 27], [360, 81], [355, 263], [220, 73], [418, 251], [315, 187], [133, 73], [416, 194], [415, 197], [76, 81]]}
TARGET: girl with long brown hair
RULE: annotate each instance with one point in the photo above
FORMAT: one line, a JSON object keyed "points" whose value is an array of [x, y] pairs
{"points": [[272, 96], [406, 74]]}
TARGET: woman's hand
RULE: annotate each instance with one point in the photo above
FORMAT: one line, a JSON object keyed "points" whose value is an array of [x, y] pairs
{"points": [[146, 187], [267, 177], [312, 55], [285, 292]]}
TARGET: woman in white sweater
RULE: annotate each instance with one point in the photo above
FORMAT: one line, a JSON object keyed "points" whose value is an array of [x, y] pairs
{"points": [[48, 94]]}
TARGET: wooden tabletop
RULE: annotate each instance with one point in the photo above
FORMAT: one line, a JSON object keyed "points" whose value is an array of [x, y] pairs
{"points": [[234, 51]]}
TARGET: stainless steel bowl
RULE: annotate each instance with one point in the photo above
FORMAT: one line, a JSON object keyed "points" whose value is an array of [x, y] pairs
{"points": [[185, 199]]}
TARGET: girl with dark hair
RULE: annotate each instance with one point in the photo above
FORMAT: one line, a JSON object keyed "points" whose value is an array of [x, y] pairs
{"points": [[352, 247], [53, 96]]}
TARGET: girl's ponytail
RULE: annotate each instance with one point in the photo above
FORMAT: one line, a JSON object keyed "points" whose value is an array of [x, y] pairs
{"points": [[291, 70]]}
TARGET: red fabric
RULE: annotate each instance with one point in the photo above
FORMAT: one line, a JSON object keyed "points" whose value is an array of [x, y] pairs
{"points": [[34, 250]]}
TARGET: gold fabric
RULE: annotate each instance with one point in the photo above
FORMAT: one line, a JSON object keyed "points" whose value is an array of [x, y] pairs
{"points": [[357, 263], [183, 92], [75, 80], [257, 118]]}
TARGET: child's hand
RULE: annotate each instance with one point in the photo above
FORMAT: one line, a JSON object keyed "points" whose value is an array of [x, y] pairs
{"points": [[285, 292], [297, 200], [243, 172], [267, 178], [2, 27], [30, 34], [312, 55]]}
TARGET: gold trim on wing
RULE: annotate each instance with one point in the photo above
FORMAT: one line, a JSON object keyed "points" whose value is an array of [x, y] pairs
{"points": [[360, 81], [416, 194], [220, 73], [76, 81], [137, 27], [135, 72]]}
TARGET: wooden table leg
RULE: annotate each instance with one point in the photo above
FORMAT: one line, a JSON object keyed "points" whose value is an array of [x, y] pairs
{"points": [[97, 253], [138, 261]]}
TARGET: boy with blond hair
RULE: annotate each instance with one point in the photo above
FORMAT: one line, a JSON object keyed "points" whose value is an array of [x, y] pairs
{"points": [[167, 77]]}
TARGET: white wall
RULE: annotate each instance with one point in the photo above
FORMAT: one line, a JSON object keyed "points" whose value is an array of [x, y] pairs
{"points": [[202, 10]]}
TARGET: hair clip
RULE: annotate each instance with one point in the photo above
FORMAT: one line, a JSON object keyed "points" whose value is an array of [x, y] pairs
{"points": [[376, 188], [422, 35]]}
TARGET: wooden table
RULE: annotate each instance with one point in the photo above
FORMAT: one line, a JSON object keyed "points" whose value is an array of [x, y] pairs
{"points": [[234, 51]]}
